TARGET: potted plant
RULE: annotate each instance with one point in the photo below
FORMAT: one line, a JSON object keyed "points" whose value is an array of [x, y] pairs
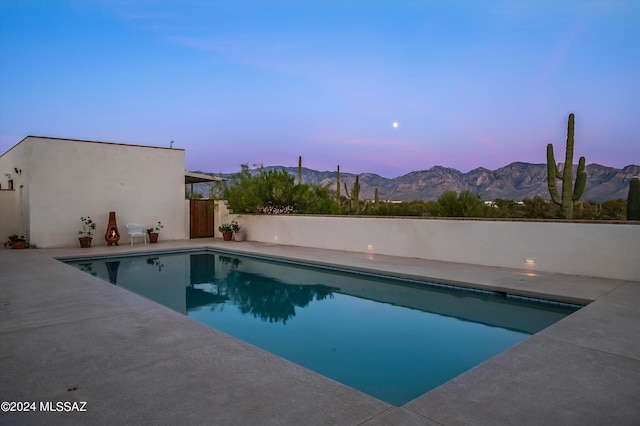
{"points": [[153, 232], [236, 228], [88, 226], [227, 231], [16, 242]]}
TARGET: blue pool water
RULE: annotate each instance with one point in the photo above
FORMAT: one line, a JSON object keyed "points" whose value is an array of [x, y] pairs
{"points": [[392, 339]]}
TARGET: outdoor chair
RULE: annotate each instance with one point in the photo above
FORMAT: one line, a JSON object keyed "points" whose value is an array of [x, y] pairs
{"points": [[136, 230]]}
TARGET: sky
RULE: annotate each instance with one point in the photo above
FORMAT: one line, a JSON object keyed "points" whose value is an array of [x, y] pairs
{"points": [[469, 83]]}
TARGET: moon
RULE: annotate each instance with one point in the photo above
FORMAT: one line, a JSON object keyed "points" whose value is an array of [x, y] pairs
{"points": [[395, 124]]}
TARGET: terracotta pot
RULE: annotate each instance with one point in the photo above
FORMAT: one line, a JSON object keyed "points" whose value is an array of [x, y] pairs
{"points": [[19, 244], [238, 236], [85, 242], [227, 235], [153, 237]]}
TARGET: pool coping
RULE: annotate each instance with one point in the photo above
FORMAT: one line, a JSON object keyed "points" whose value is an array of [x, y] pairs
{"points": [[584, 368]]}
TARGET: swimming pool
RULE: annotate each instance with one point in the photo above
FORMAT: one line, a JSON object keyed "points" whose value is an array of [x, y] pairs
{"points": [[393, 339]]}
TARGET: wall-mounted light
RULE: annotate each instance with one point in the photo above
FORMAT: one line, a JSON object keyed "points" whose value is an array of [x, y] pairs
{"points": [[8, 175], [369, 246], [530, 260], [18, 171]]}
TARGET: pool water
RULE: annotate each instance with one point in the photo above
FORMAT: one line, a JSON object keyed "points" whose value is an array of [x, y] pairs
{"points": [[390, 338]]}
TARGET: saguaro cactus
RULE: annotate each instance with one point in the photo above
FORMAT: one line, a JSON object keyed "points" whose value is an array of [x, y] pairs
{"points": [[338, 200], [354, 196], [568, 199], [633, 199]]}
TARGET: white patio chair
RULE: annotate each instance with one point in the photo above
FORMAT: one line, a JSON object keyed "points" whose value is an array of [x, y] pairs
{"points": [[136, 230]]}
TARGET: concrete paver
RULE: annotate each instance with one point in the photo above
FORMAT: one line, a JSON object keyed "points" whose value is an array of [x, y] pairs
{"points": [[604, 326], [68, 336], [539, 382]]}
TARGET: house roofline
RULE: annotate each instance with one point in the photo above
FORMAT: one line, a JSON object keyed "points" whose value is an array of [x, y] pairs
{"points": [[88, 141]]}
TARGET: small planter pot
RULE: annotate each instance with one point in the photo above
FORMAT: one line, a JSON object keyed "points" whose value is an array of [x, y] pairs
{"points": [[153, 238], [19, 244], [85, 242], [238, 236], [227, 235]]}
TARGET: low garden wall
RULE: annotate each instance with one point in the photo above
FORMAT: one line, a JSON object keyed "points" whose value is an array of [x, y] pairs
{"points": [[607, 250]]}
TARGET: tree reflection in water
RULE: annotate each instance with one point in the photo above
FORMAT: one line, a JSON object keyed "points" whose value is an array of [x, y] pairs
{"points": [[267, 298]]}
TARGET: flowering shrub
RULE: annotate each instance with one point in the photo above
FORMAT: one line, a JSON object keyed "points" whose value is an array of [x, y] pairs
{"points": [[275, 210], [225, 227], [155, 229], [88, 226], [235, 226], [275, 192]]}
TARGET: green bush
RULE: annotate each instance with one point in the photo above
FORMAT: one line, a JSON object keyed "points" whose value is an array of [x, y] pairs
{"points": [[465, 204], [275, 192]]}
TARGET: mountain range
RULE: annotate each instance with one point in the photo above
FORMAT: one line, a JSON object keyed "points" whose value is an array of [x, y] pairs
{"points": [[515, 181]]}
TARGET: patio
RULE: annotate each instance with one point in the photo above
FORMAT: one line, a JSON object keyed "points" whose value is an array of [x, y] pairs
{"points": [[68, 336]]}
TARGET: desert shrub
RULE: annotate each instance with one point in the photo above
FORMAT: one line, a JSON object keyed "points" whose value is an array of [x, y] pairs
{"points": [[275, 192], [465, 204]]}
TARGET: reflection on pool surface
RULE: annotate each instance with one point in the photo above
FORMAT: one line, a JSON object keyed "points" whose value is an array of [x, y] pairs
{"points": [[392, 339]]}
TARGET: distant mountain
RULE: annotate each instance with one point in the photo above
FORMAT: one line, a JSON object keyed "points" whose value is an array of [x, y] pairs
{"points": [[513, 182]]}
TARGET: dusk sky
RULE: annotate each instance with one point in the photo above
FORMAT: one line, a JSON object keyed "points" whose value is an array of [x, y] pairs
{"points": [[470, 83]]}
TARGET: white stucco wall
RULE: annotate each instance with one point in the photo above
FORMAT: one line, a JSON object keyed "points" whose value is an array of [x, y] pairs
{"points": [[221, 214], [609, 250], [66, 179], [8, 216], [14, 203]]}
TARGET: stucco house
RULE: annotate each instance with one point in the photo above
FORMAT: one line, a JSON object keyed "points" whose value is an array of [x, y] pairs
{"points": [[47, 184]]}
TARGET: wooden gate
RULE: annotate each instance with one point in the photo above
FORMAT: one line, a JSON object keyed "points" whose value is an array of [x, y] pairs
{"points": [[201, 219]]}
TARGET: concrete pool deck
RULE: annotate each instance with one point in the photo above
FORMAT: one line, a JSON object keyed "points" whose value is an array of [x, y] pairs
{"points": [[68, 336]]}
